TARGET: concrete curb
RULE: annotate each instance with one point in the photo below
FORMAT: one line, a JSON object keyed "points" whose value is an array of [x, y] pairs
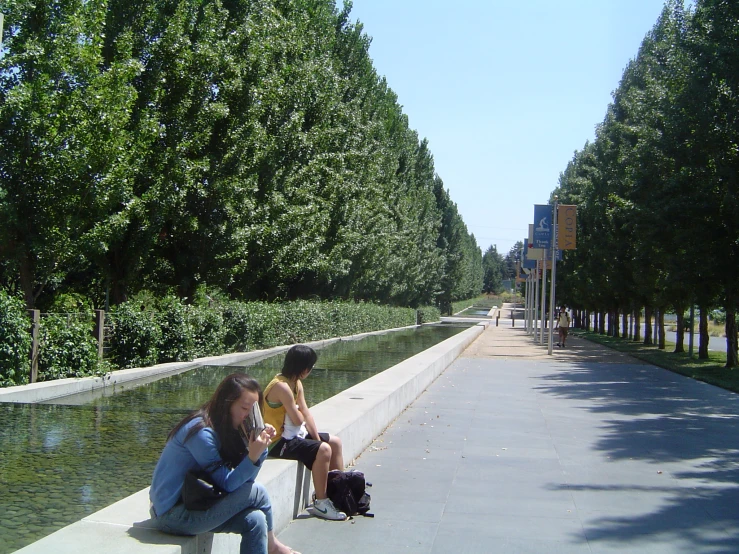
{"points": [[357, 415]]}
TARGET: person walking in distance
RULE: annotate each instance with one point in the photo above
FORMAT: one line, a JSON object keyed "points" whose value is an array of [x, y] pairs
{"points": [[563, 326]]}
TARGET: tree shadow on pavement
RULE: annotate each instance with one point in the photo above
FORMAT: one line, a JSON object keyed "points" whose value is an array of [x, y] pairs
{"points": [[650, 422]]}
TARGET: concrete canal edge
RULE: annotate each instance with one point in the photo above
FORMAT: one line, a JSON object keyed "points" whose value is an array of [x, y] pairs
{"points": [[358, 415]]}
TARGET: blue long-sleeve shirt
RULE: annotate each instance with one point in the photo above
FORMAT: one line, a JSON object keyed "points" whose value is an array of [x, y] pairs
{"points": [[200, 451]]}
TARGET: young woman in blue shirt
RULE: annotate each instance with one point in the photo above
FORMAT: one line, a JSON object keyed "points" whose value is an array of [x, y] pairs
{"points": [[208, 439]]}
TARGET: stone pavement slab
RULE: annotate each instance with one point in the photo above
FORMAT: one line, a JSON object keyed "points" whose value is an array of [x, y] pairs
{"points": [[514, 451]]}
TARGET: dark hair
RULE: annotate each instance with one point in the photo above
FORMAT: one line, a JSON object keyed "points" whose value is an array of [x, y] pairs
{"points": [[216, 414], [298, 359]]}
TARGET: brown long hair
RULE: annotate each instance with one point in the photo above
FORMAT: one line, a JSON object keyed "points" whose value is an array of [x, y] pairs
{"points": [[216, 414]]}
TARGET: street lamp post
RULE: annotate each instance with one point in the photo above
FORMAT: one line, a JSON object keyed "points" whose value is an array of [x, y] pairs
{"points": [[555, 239]]}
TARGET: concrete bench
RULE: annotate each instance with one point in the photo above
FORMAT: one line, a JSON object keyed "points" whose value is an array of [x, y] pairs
{"points": [[358, 415]]}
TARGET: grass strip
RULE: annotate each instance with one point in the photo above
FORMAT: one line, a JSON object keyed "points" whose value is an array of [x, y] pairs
{"points": [[710, 371]]}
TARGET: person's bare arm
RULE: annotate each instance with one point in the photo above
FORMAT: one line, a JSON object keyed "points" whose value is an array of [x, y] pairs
{"points": [[310, 424]]}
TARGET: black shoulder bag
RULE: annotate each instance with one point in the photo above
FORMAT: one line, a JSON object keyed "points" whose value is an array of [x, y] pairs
{"points": [[199, 491]]}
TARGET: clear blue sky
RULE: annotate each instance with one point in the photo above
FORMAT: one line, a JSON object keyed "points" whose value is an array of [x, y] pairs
{"points": [[504, 91]]}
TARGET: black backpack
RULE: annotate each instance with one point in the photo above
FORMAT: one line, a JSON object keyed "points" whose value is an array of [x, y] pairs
{"points": [[346, 489]]}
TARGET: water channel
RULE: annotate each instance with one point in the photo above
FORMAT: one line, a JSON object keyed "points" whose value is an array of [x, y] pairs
{"points": [[61, 462]]}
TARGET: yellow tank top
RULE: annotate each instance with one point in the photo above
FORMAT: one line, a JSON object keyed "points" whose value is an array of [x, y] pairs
{"points": [[274, 412]]}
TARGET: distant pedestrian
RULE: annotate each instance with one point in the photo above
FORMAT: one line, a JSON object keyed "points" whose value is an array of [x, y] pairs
{"points": [[563, 326]]}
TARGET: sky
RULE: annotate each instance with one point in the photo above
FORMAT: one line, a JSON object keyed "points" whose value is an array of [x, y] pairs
{"points": [[505, 92]]}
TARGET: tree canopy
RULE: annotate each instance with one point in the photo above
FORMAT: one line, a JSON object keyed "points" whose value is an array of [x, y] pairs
{"points": [[658, 220], [246, 144]]}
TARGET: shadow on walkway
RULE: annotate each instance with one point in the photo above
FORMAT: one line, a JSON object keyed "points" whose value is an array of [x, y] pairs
{"points": [[685, 432]]}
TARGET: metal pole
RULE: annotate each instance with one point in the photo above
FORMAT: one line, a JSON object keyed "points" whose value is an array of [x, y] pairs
{"points": [[529, 302], [536, 303], [526, 304], [543, 295], [555, 238]]}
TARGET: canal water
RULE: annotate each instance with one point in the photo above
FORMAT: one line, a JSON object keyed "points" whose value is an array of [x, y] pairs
{"points": [[62, 462], [475, 311]]}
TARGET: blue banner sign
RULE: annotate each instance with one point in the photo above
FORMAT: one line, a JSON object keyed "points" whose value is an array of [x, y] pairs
{"points": [[542, 226]]}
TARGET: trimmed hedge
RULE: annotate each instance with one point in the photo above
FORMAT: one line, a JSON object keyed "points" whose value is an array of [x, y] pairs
{"points": [[15, 342], [176, 343], [135, 336], [429, 314], [146, 331], [66, 347], [176, 332]]}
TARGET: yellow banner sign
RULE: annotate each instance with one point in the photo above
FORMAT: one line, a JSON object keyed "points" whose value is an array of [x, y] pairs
{"points": [[566, 227]]}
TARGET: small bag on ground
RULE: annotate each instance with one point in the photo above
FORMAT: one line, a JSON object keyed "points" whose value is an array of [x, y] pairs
{"points": [[346, 489]]}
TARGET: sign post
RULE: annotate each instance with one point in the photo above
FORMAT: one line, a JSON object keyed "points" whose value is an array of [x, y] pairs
{"points": [[543, 240], [565, 238], [543, 296], [552, 304]]}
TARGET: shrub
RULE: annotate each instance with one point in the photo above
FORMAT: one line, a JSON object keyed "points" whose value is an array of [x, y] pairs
{"points": [[718, 317], [66, 347], [250, 326], [428, 314], [15, 341], [176, 340], [135, 335], [70, 303], [208, 330]]}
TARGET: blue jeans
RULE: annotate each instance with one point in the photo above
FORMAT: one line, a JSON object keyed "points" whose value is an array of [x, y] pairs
{"points": [[246, 511]]}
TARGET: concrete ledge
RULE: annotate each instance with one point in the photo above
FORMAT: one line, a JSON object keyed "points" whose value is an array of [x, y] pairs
{"points": [[357, 415], [115, 381]]}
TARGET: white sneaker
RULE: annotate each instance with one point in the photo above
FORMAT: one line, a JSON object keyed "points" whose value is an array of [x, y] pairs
{"points": [[325, 509]]}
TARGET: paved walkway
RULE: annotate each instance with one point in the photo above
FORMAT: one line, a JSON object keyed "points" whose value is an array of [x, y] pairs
{"points": [[513, 451]]}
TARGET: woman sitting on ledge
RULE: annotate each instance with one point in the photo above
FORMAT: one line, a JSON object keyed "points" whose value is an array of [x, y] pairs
{"points": [[297, 437], [208, 439]]}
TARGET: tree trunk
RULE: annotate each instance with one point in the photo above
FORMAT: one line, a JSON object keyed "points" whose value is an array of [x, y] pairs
{"points": [[609, 323], [731, 338], [647, 325], [26, 279], [614, 323], [625, 325], [680, 332], [601, 323], [661, 329], [586, 322], [703, 331], [637, 325]]}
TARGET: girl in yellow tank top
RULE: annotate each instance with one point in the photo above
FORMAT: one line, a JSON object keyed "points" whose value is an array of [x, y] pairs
{"points": [[286, 410]]}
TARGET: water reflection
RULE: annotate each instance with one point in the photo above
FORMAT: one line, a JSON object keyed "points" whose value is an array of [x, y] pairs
{"points": [[60, 463]]}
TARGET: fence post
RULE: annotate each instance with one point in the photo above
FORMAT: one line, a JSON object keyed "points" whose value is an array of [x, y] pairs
{"points": [[35, 316], [99, 331]]}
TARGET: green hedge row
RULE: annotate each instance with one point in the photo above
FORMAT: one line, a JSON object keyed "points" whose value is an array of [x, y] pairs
{"points": [[166, 331], [145, 331], [15, 341], [66, 345]]}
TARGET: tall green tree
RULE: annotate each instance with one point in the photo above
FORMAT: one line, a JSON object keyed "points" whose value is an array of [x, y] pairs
{"points": [[62, 136], [492, 265]]}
